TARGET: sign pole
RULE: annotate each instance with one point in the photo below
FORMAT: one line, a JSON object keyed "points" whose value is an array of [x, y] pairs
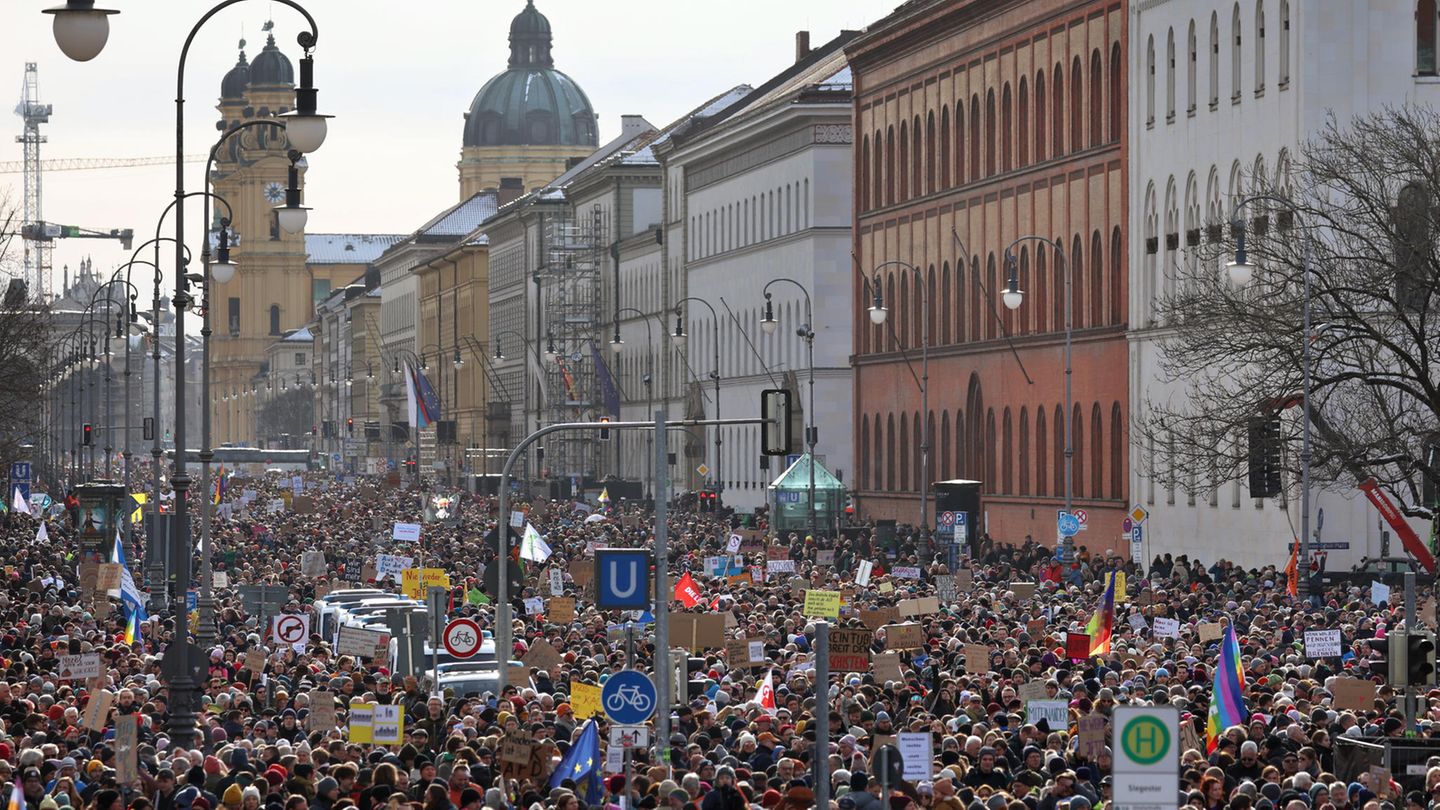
{"points": [[663, 672], [822, 714]]}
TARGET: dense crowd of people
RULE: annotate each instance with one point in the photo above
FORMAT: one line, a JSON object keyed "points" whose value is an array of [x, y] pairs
{"points": [[993, 641]]}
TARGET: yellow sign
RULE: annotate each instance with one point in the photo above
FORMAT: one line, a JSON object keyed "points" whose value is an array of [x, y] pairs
{"points": [[414, 582], [585, 700], [1121, 596], [886, 587], [141, 499], [362, 723], [822, 604], [1138, 514]]}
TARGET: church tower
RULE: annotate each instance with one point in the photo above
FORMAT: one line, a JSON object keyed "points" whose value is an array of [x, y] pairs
{"points": [[529, 121], [271, 290]]}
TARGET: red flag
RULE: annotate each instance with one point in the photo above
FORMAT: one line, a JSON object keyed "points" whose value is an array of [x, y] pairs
{"points": [[687, 591], [765, 694]]}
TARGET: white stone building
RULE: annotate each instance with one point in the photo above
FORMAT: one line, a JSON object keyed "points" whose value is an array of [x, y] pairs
{"points": [[1223, 93]]}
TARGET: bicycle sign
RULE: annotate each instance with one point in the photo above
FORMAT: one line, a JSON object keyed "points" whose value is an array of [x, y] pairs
{"points": [[462, 638], [628, 697]]}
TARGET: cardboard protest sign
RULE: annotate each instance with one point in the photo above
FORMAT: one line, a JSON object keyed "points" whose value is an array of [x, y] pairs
{"points": [[887, 667], [977, 658], [919, 607], [561, 609], [1024, 591], [97, 711], [542, 655], [907, 636], [1354, 693], [322, 716], [697, 631], [876, 619], [1210, 631], [850, 649]]}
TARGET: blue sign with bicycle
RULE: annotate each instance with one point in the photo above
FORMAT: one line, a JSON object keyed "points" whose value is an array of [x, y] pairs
{"points": [[1067, 523], [628, 697]]}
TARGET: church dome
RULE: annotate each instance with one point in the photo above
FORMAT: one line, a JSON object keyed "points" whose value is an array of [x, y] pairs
{"points": [[232, 87], [531, 103], [271, 68]]}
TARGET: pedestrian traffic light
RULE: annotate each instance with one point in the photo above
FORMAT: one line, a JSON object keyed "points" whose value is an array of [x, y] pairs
{"points": [[86, 431], [775, 438], [350, 426], [314, 430], [1420, 659], [605, 432], [1263, 459]]}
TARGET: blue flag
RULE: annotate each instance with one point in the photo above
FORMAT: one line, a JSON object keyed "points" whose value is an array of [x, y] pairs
{"points": [[608, 392], [582, 764]]}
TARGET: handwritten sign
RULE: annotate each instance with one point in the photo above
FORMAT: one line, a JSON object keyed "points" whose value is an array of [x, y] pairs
{"points": [[977, 658], [322, 712], [907, 636], [542, 655], [850, 649], [1092, 735], [1210, 631], [585, 700], [876, 619], [822, 604], [79, 667], [919, 607], [97, 711], [1322, 643], [1054, 712], [389, 724], [1166, 628], [905, 572], [561, 609], [887, 667]]}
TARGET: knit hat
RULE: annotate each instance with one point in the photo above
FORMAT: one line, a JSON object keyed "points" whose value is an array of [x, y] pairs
{"points": [[233, 797]]}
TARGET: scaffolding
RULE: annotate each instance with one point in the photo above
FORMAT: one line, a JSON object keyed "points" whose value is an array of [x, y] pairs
{"points": [[573, 256]]}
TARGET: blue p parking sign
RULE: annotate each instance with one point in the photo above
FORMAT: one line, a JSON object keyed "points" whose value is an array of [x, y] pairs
{"points": [[622, 579]]}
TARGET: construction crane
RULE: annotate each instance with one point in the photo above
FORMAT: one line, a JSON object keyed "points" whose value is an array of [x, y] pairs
{"points": [[38, 235], [90, 164]]}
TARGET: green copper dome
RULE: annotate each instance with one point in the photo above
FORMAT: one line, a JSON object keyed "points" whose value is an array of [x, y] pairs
{"points": [[532, 103]]}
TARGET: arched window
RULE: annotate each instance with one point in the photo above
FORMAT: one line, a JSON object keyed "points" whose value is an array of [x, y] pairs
{"points": [[1039, 116], [1044, 292], [990, 140], [1117, 95], [1284, 75], [890, 452], [1097, 454], [974, 327], [1190, 67], [1117, 277], [944, 446], [990, 288], [1150, 82], [944, 147], [917, 156], [991, 482], [1024, 459], [1042, 464], [1235, 55], [1097, 280], [864, 454], [890, 165], [960, 174], [274, 319], [1006, 129], [1077, 287], [1023, 278], [905, 452], [1170, 77], [915, 430], [944, 304], [1259, 47], [1077, 106], [864, 183], [1057, 145], [1097, 99], [902, 165], [930, 153], [877, 173], [1022, 132], [1007, 455], [1425, 37], [974, 136], [1058, 431], [1214, 60], [1117, 453], [1077, 445]]}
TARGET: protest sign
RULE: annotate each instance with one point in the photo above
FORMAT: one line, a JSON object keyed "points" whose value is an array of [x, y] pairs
{"points": [[850, 649]]}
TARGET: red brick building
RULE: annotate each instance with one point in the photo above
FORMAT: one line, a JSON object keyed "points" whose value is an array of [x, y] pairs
{"points": [[978, 122]]}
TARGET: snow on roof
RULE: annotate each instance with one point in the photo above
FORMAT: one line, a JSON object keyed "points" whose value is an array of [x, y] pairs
{"points": [[709, 109], [463, 218], [841, 79], [347, 248], [300, 335]]}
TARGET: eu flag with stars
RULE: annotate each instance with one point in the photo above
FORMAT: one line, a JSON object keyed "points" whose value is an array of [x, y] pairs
{"points": [[582, 764]]}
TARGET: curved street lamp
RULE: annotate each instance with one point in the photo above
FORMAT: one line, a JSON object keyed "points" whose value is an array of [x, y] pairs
{"points": [[805, 332]]}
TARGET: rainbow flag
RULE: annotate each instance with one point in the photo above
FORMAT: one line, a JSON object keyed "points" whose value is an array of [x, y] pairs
{"points": [[17, 796], [1103, 622], [132, 627], [1227, 695]]}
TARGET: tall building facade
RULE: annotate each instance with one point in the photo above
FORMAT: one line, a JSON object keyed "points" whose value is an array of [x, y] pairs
{"points": [[979, 124], [528, 122], [1224, 94]]}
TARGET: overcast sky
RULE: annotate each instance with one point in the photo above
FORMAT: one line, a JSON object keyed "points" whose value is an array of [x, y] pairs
{"points": [[397, 76]]}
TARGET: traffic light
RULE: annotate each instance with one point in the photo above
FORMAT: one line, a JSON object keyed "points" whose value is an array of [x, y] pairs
{"points": [[1420, 659], [775, 434], [1411, 659], [1264, 456], [86, 439], [314, 430], [350, 426], [605, 432]]}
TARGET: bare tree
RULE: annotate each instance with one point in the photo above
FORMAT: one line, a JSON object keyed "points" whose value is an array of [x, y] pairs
{"points": [[289, 412], [24, 349], [1366, 206]]}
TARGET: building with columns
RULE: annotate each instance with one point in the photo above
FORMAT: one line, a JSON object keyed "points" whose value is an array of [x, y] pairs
{"points": [[977, 124]]}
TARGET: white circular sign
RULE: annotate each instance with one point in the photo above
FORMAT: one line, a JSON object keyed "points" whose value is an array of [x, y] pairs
{"points": [[290, 629], [462, 638]]}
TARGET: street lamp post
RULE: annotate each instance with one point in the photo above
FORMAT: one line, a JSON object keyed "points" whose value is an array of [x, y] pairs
{"points": [[1013, 298], [679, 338], [806, 331], [1241, 273], [617, 345], [878, 314], [75, 28]]}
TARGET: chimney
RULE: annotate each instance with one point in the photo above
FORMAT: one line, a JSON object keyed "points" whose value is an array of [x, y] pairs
{"points": [[802, 45], [633, 125], [511, 189]]}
